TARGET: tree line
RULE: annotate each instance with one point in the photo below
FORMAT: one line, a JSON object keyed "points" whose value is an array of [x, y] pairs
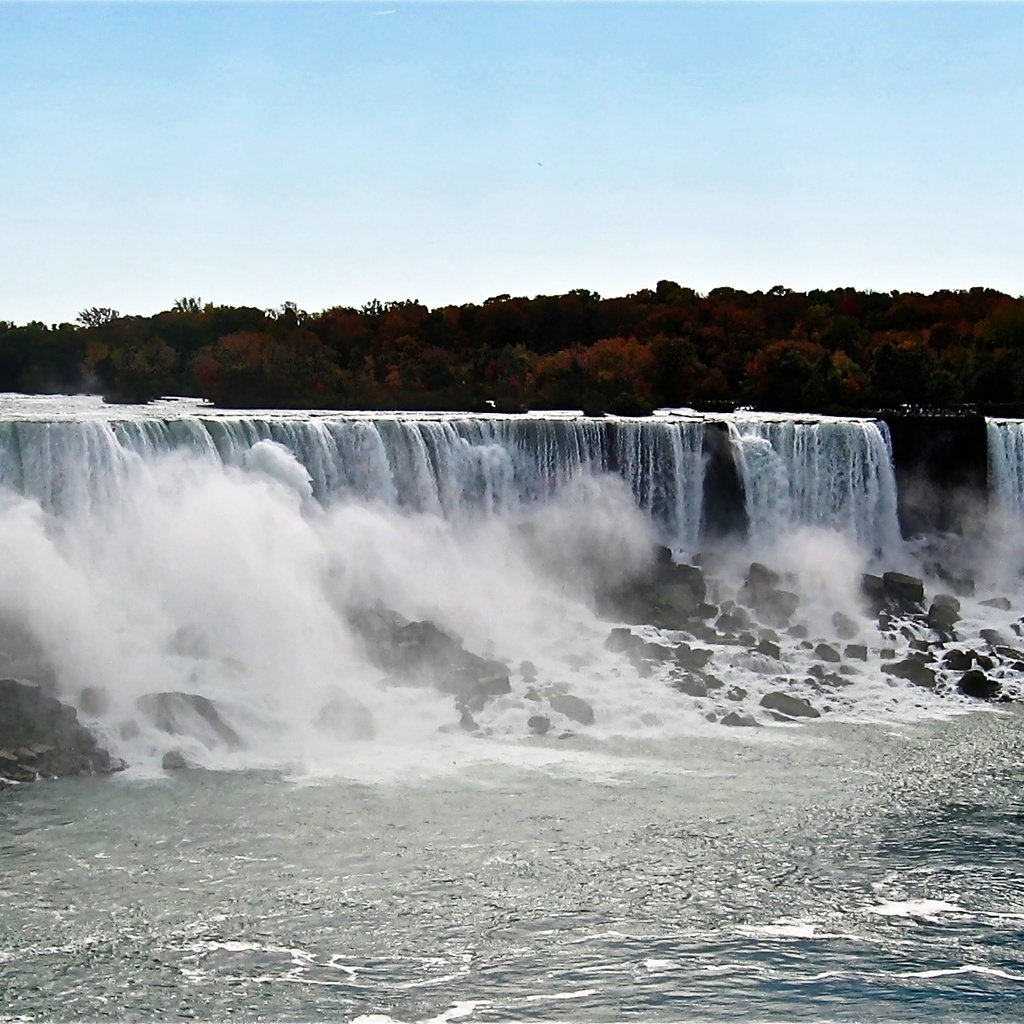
{"points": [[839, 350]]}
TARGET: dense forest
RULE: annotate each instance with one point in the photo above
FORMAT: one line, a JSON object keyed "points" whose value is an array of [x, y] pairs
{"points": [[837, 350]]}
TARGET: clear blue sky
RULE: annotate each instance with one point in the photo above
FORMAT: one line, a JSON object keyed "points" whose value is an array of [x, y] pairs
{"points": [[331, 153]]}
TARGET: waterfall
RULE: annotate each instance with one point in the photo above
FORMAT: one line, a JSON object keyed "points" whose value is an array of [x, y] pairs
{"points": [[78, 455], [1006, 464], [835, 473]]}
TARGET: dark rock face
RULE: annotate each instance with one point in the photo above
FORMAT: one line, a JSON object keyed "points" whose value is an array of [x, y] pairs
{"points": [[41, 736], [941, 465], [724, 511], [173, 760], [906, 592], [856, 652], [737, 720], [188, 714]]}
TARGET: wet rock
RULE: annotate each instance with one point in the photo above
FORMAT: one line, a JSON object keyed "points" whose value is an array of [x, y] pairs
{"points": [[959, 661], [917, 644], [734, 621], [798, 632], [826, 652], [1001, 604], [979, 686], [621, 640], [905, 592], [737, 720], [538, 724], [736, 693], [188, 714], [887, 652], [42, 736], [873, 589], [692, 658], [466, 720], [914, 669], [856, 652], [528, 671], [992, 637], [944, 614], [691, 686], [786, 704], [173, 761], [573, 707], [845, 627], [768, 648]]}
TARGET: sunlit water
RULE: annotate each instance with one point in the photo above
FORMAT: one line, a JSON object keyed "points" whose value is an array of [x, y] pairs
{"points": [[838, 872]]}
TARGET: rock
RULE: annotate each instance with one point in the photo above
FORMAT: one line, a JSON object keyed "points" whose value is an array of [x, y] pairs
{"points": [[692, 658], [173, 760], [528, 670], [94, 701], [999, 603], [845, 627], [734, 621], [622, 639], [786, 704], [962, 586], [959, 661], [573, 707], [992, 637], [759, 575], [887, 652], [873, 589], [735, 719], [691, 686], [919, 645], [40, 735], [467, 721], [826, 652], [914, 669], [476, 681], [538, 724], [943, 617], [856, 652], [767, 647], [188, 714], [905, 592], [979, 686], [736, 693], [798, 632]]}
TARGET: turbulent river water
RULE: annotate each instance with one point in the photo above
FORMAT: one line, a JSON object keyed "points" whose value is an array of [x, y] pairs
{"points": [[384, 863]]}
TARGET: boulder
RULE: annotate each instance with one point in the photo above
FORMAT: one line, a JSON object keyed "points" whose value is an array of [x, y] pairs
{"points": [[826, 652], [786, 704], [42, 736], [914, 669], [959, 661], [905, 592], [538, 724], [188, 714], [856, 652], [769, 648], [690, 685], [944, 615], [528, 671], [692, 658], [573, 707], [173, 760], [798, 632], [737, 720], [1001, 604], [976, 684]]}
